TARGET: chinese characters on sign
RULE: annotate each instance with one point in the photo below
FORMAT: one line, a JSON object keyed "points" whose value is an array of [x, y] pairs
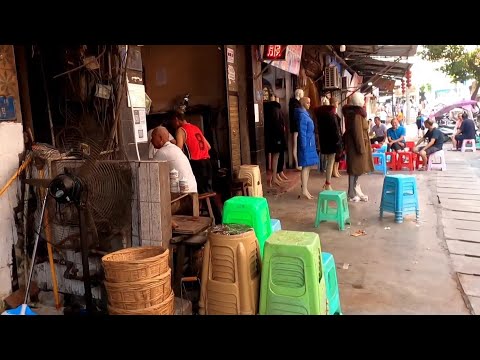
{"points": [[274, 52], [292, 56]]}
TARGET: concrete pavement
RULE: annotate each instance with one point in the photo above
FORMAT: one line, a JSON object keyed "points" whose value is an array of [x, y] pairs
{"points": [[458, 194]]}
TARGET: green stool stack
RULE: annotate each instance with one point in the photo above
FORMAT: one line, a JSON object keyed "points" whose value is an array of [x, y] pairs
{"points": [[292, 280], [340, 214], [250, 211]]}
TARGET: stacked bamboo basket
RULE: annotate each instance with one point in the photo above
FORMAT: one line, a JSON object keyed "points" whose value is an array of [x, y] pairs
{"points": [[138, 282]]}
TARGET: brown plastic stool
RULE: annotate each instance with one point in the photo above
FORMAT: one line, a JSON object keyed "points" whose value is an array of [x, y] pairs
{"points": [[207, 197]]}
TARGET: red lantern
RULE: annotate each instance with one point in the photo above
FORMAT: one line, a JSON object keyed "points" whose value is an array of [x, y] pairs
{"points": [[403, 87], [408, 75]]}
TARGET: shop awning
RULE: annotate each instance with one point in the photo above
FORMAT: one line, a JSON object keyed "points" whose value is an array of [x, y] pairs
{"points": [[380, 50]]}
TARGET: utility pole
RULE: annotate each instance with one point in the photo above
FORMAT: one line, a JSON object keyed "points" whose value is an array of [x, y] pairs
{"points": [[407, 112]]}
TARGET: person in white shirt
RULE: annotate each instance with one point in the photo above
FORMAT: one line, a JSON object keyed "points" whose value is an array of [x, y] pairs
{"points": [[151, 148], [166, 151]]}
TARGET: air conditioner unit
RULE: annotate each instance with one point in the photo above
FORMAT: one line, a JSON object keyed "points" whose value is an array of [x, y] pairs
{"points": [[332, 79]]}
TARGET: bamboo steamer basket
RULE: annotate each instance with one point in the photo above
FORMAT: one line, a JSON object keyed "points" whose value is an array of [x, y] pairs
{"points": [[135, 264], [140, 294], [164, 308]]}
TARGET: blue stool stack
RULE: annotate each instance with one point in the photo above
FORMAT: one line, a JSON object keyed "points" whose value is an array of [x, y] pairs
{"points": [[382, 162], [333, 295], [400, 196], [276, 225]]}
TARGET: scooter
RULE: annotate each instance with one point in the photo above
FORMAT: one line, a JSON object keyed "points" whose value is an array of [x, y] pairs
{"points": [[447, 127]]}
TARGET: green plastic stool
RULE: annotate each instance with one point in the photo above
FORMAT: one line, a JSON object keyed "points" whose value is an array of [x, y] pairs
{"points": [[477, 142], [292, 280], [340, 214], [331, 282], [250, 211]]}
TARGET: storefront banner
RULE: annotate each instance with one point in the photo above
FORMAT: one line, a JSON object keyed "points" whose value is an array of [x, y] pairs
{"points": [[293, 59]]}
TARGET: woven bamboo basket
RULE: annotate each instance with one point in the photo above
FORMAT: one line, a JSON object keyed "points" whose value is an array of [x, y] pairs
{"points": [[135, 264], [140, 294], [165, 308]]}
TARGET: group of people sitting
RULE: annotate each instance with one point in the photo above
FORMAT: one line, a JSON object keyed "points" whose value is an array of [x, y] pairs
{"points": [[188, 153], [464, 130], [395, 138]]}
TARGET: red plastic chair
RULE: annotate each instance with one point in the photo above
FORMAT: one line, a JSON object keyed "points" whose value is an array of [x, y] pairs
{"points": [[406, 159], [391, 157], [419, 161], [410, 145]]}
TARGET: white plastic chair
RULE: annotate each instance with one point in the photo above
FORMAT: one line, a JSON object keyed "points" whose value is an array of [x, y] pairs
{"points": [[436, 161]]}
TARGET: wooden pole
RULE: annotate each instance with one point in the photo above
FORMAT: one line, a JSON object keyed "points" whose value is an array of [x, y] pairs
{"points": [[49, 236]]}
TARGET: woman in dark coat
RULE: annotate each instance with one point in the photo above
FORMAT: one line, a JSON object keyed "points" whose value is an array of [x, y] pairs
{"points": [[329, 136], [307, 149], [357, 146]]}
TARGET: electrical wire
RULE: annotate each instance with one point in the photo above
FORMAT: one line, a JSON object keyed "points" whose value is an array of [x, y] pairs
{"points": [[83, 65]]}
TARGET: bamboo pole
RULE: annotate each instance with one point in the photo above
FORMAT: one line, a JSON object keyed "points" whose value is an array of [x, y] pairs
{"points": [[49, 236], [17, 173]]}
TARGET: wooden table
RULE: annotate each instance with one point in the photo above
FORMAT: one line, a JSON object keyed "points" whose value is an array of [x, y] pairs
{"points": [[187, 225]]}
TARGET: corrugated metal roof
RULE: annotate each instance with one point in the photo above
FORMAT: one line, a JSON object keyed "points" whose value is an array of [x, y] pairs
{"points": [[370, 67]]}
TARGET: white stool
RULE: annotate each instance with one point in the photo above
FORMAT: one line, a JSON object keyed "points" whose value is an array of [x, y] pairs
{"points": [[436, 161], [470, 142]]}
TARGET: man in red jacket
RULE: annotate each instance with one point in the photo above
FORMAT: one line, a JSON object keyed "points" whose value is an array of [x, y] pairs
{"points": [[193, 143]]}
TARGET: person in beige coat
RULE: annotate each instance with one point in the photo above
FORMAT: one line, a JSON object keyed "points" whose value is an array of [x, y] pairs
{"points": [[357, 145]]}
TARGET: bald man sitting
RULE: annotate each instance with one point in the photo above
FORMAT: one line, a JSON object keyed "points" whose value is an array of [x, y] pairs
{"points": [[166, 151]]}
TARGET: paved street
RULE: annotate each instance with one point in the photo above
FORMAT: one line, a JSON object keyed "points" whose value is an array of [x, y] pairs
{"points": [[409, 268]]}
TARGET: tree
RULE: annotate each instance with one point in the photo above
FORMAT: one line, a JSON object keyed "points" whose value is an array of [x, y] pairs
{"points": [[459, 63]]}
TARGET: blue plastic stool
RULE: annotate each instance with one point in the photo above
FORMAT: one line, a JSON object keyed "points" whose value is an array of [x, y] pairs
{"points": [[276, 225], [383, 149], [382, 162], [331, 283], [400, 196]]}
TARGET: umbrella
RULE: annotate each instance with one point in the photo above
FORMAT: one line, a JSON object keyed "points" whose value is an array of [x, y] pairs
{"points": [[466, 104]]}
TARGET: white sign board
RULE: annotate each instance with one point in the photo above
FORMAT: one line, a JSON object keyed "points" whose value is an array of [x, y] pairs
{"points": [[136, 95], [140, 124]]}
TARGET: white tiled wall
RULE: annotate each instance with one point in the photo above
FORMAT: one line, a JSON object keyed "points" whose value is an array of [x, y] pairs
{"points": [[11, 146]]}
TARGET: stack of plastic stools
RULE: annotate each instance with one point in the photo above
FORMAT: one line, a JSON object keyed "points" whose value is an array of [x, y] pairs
{"points": [[391, 160], [276, 225], [380, 162], [477, 140], [251, 211], [252, 173], [436, 161], [331, 282], [406, 159], [293, 282], [340, 214], [400, 196], [230, 274], [468, 144]]}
